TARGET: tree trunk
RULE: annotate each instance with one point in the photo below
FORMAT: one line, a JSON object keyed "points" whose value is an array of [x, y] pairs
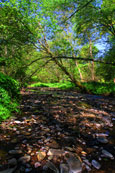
{"points": [[81, 77], [72, 78], [91, 55]]}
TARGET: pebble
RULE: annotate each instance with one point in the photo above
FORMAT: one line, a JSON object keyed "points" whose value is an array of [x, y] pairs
{"points": [[88, 168], [28, 169], [101, 134], [24, 159], [74, 163], [37, 164], [102, 140], [107, 154], [87, 162], [54, 152], [15, 152], [64, 168], [9, 170], [96, 164], [41, 155], [51, 166], [12, 161], [17, 122]]}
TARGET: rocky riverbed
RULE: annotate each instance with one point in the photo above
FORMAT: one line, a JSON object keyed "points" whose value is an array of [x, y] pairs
{"points": [[59, 132]]}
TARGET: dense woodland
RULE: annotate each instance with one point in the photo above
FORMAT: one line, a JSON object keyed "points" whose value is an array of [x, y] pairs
{"points": [[59, 41]]}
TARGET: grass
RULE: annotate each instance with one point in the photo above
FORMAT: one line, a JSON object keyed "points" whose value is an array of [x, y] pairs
{"points": [[66, 85], [95, 87]]}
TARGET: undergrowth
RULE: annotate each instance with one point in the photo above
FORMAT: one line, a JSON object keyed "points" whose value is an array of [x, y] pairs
{"points": [[94, 87], [9, 96]]}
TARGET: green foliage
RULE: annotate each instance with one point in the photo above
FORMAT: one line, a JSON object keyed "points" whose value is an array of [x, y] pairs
{"points": [[100, 88], [41, 30], [65, 85], [4, 113], [9, 94], [10, 85], [93, 87]]}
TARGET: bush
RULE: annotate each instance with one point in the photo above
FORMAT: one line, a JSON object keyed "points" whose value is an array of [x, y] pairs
{"points": [[10, 85], [4, 113], [100, 88], [9, 94]]}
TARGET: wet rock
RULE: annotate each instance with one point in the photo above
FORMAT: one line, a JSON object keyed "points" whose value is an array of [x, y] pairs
{"points": [[102, 140], [10, 170], [17, 122], [54, 152], [37, 164], [88, 168], [101, 134], [12, 161], [17, 132], [14, 129], [41, 155], [87, 162], [13, 141], [24, 159], [64, 168], [73, 162], [51, 166], [96, 164], [28, 170], [15, 152], [107, 154], [53, 144]]}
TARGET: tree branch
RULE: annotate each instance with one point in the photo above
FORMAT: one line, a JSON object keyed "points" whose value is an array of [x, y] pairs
{"points": [[83, 59], [80, 8]]}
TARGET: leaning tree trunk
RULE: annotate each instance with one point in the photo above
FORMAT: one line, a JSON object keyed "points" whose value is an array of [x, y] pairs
{"points": [[72, 78], [46, 48]]}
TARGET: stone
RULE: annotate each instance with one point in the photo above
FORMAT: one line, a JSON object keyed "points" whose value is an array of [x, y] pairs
{"points": [[101, 134], [13, 141], [102, 140], [37, 164], [53, 144], [52, 167], [28, 170], [87, 162], [74, 163], [15, 152], [41, 155], [17, 132], [12, 161], [9, 170], [88, 168], [107, 154], [55, 152], [24, 159], [96, 164], [17, 122], [64, 168]]}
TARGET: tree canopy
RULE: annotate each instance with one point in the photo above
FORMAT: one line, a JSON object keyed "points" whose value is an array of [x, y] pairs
{"points": [[35, 34]]}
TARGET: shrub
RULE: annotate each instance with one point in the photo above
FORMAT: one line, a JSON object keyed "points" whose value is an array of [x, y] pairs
{"points": [[9, 94], [4, 113], [10, 85]]}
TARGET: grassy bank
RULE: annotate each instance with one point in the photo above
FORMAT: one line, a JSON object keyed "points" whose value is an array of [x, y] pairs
{"points": [[93, 87]]}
